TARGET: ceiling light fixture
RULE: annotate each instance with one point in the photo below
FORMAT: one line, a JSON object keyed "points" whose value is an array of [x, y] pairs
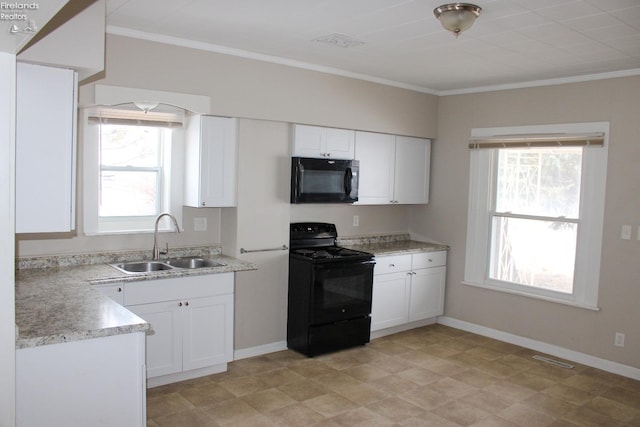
{"points": [[146, 106], [457, 17]]}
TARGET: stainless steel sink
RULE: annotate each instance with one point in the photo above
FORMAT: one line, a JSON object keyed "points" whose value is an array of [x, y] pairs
{"points": [[193, 263], [138, 267], [142, 266]]}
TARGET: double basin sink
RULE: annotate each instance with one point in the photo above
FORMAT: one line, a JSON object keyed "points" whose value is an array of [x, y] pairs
{"points": [[188, 263]]}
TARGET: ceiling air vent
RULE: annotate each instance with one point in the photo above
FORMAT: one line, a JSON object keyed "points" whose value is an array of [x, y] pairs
{"points": [[338, 40]]}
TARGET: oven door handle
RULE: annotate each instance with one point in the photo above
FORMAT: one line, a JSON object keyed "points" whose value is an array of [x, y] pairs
{"points": [[362, 264]]}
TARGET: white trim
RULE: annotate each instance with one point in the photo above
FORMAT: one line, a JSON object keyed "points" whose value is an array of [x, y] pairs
{"points": [[210, 47], [115, 95], [186, 375], [530, 295], [482, 184], [245, 353], [553, 350], [547, 82], [401, 328]]}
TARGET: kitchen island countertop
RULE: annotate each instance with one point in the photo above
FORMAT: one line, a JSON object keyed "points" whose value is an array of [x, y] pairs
{"points": [[58, 304]]}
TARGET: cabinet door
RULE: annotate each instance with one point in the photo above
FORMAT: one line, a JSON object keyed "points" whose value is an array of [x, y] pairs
{"points": [[340, 143], [211, 162], [412, 160], [115, 292], [219, 154], [317, 141], [390, 300], [308, 141], [164, 339], [427, 293], [45, 149], [208, 332], [376, 153]]}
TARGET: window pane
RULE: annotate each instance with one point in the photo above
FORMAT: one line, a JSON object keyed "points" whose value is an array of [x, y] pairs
{"points": [[128, 193], [122, 145], [539, 181], [534, 253]]}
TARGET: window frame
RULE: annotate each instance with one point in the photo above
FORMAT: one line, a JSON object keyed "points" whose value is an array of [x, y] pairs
{"points": [[171, 177], [482, 187]]}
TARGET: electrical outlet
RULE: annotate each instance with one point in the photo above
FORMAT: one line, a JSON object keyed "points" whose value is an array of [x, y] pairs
{"points": [[626, 232], [199, 224], [356, 220], [619, 339]]}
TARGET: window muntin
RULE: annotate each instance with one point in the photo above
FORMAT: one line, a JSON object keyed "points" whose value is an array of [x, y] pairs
{"points": [[559, 213]]}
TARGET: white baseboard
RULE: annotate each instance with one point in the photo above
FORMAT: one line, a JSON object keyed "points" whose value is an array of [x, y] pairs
{"points": [[554, 350], [186, 375], [245, 353], [401, 328]]}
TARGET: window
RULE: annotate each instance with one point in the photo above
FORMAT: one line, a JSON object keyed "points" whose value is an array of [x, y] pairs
{"points": [[536, 207], [131, 173]]}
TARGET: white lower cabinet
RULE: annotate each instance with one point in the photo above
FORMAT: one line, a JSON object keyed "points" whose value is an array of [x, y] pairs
{"points": [[92, 382], [191, 322], [407, 288], [115, 292]]}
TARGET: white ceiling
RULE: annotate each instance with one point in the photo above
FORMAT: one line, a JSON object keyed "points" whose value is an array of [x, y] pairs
{"points": [[513, 43]]}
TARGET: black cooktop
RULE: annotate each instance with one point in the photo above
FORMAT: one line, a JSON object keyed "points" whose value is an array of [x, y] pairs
{"points": [[330, 252], [316, 242]]}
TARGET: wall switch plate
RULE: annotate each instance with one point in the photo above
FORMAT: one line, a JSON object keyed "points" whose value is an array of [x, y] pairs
{"points": [[356, 220], [619, 339], [199, 224], [626, 232]]}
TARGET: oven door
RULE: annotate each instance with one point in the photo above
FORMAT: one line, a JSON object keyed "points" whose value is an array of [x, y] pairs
{"points": [[341, 291]]}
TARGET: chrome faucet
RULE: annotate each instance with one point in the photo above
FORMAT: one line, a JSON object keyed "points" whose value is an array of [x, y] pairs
{"points": [[156, 251]]}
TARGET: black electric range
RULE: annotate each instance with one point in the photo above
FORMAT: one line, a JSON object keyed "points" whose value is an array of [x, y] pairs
{"points": [[330, 291]]}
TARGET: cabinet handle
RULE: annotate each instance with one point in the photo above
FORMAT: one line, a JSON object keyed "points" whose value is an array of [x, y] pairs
{"points": [[204, 203], [179, 304], [430, 260], [187, 303], [119, 289], [328, 154], [392, 265]]}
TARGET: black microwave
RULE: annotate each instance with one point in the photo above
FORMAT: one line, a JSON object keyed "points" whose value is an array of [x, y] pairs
{"points": [[324, 180]]}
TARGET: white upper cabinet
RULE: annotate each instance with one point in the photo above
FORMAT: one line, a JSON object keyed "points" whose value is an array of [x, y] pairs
{"points": [[393, 169], [211, 161], [412, 162], [316, 141], [45, 149]]}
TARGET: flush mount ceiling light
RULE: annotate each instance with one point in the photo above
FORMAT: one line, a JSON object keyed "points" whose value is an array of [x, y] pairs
{"points": [[457, 17]]}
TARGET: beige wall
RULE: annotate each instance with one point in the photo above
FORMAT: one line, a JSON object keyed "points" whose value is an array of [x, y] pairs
{"points": [[445, 218], [267, 98], [246, 88]]}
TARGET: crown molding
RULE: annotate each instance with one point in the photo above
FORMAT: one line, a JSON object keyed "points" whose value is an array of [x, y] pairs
{"points": [[209, 47]]}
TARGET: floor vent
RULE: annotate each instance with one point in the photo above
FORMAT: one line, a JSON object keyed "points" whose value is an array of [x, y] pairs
{"points": [[553, 362]]}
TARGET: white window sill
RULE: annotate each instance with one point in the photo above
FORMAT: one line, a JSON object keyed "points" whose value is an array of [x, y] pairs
{"points": [[540, 297]]}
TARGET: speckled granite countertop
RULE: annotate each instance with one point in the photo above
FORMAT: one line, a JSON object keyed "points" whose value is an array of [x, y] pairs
{"points": [[58, 304], [393, 244]]}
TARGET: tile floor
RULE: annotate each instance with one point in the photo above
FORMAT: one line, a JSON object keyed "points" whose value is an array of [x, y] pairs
{"points": [[430, 376]]}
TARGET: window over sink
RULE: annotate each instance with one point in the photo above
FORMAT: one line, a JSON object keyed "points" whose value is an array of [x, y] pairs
{"points": [[132, 167], [536, 209]]}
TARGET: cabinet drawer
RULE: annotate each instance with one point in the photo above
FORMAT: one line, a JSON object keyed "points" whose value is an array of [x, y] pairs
{"points": [[429, 259], [392, 264], [148, 291]]}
